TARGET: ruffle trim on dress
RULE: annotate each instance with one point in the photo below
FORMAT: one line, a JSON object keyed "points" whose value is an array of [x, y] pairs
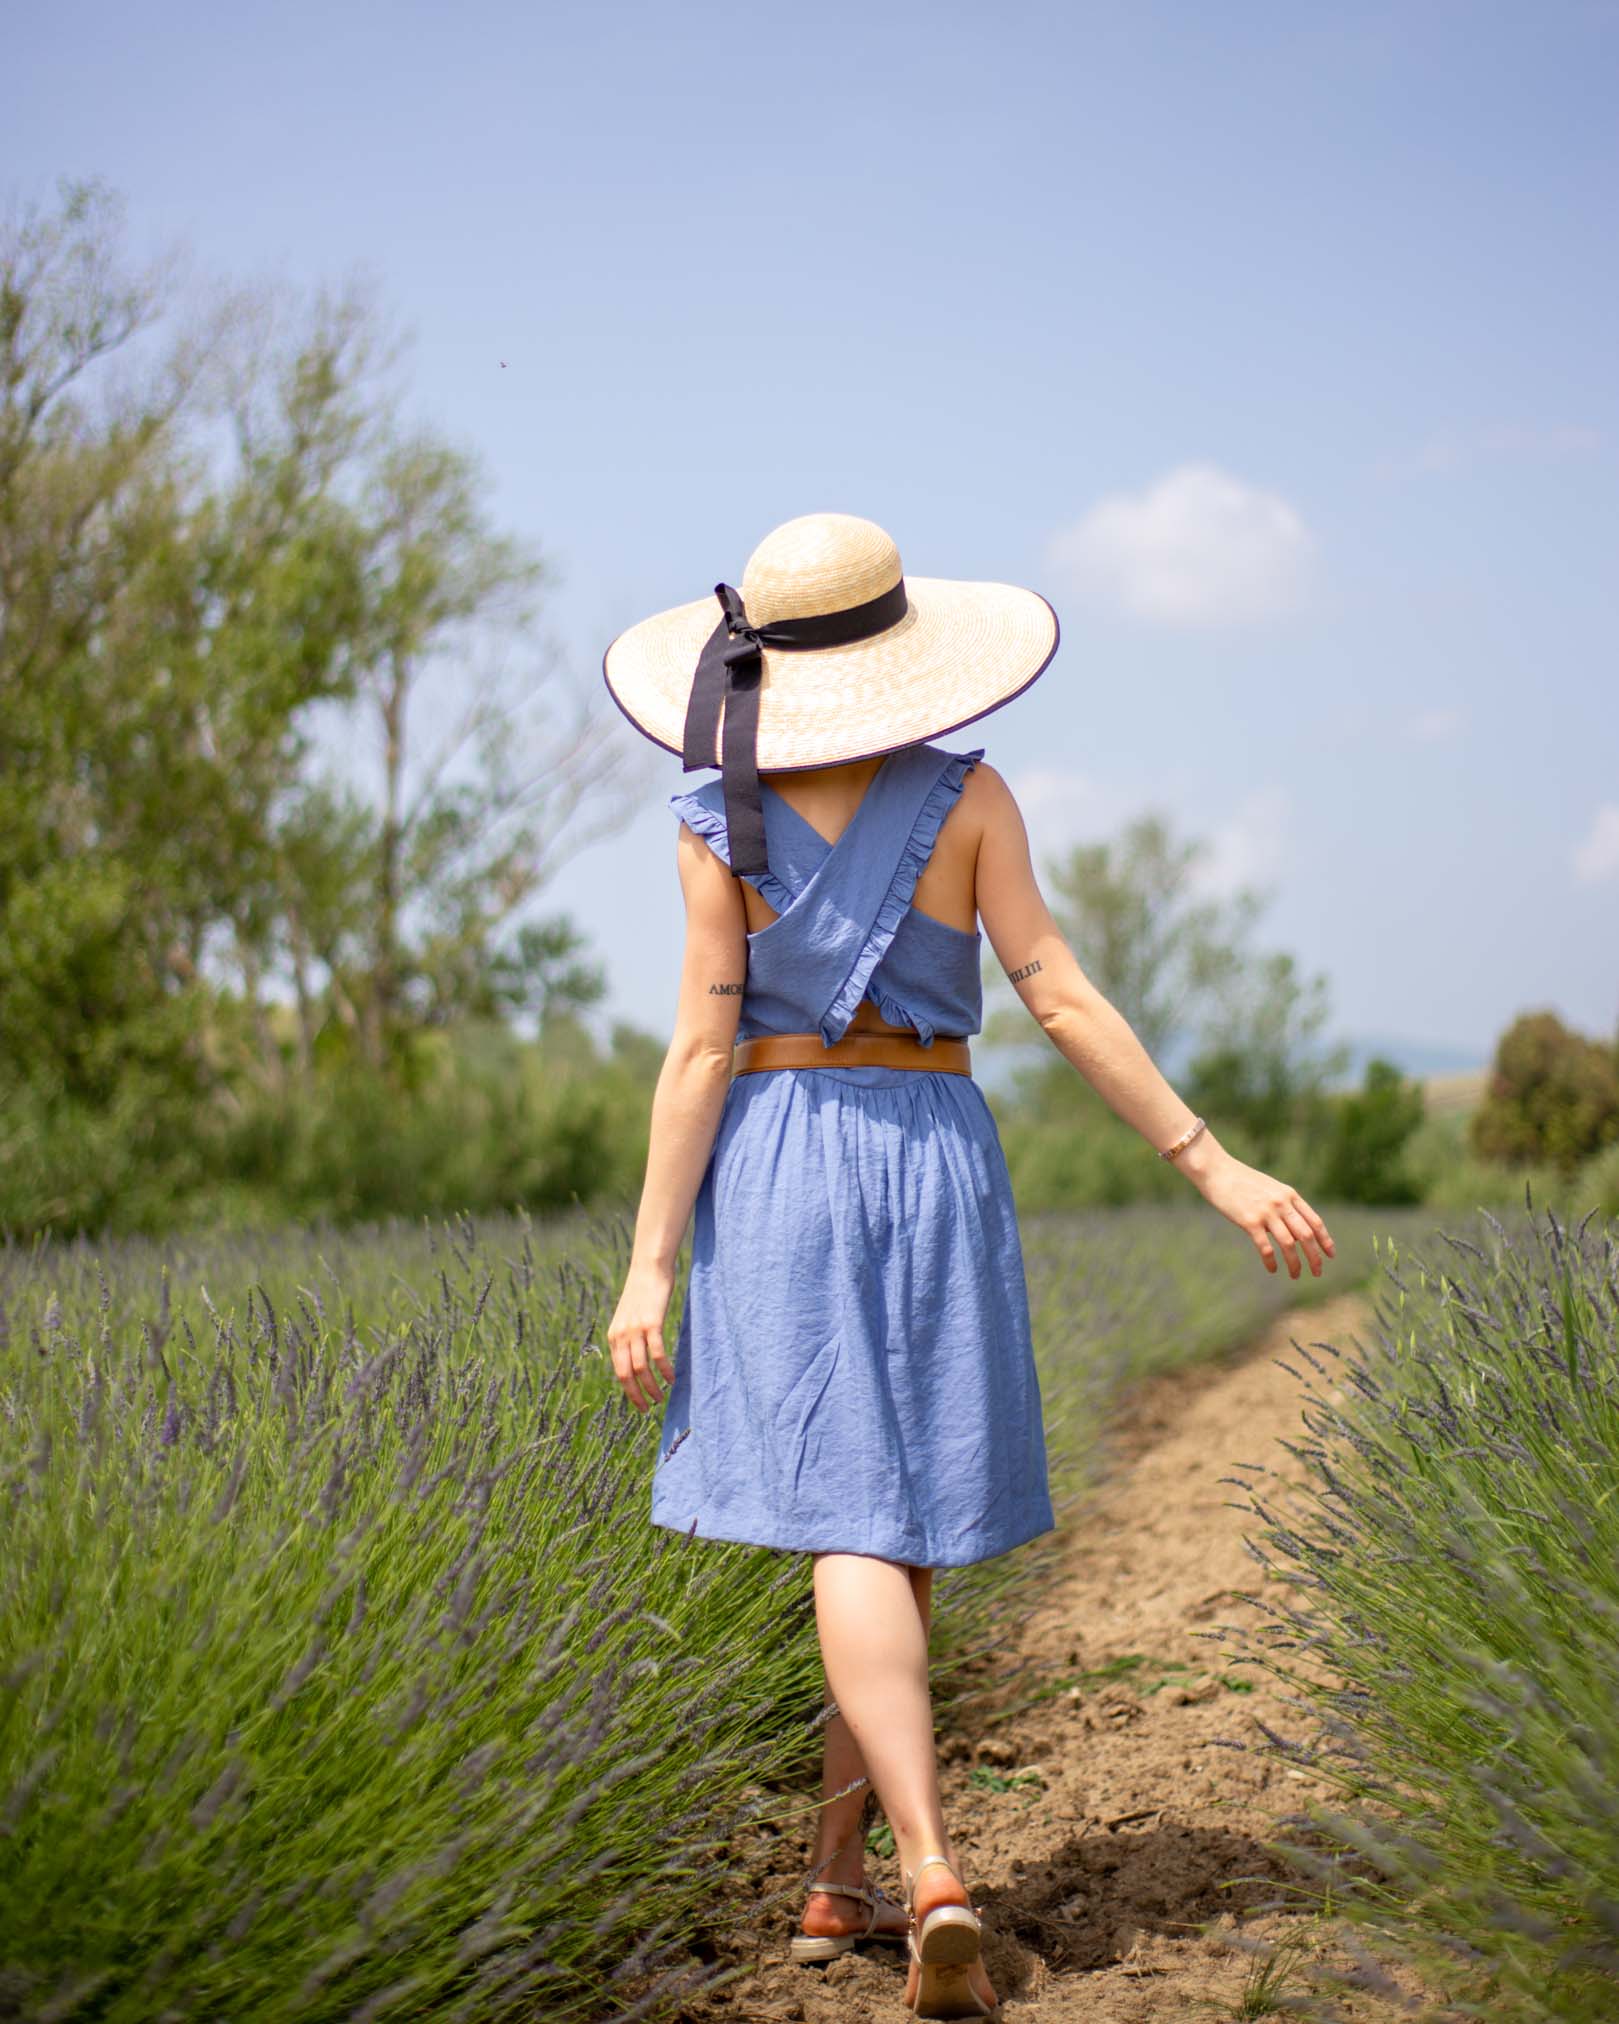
{"points": [[709, 823], [936, 805]]}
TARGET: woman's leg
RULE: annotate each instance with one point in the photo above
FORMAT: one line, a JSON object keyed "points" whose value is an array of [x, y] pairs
{"points": [[873, 1617], [839, 1852], [922, 1587]]}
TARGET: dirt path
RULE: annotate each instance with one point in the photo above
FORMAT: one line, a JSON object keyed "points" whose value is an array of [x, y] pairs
{"points": [[1114, 1845]]}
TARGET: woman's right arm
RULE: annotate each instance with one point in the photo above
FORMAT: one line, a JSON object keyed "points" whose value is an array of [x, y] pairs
{"points": [[686, 1108], [1090, 1032]]}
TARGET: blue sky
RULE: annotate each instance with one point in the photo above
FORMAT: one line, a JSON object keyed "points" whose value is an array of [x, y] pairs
{"points": [[1274, 344]]}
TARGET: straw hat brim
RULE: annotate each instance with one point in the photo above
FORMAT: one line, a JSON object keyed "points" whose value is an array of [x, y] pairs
{"points": [[961, 650]]}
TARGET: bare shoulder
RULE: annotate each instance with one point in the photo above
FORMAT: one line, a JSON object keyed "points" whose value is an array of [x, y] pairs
{"points": [[987, 799], [705, 877], [987, 782]]}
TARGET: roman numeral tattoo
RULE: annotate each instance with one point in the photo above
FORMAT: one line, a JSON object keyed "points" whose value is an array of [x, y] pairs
{"points": [[724, 990], [1028, 970]]}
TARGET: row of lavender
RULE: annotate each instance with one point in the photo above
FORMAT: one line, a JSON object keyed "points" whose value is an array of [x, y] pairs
{"points": [[1454, 1554], [341, 1673]]}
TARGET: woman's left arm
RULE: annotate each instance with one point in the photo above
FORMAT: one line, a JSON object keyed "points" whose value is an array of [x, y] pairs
{"points": [[686, 1107]]}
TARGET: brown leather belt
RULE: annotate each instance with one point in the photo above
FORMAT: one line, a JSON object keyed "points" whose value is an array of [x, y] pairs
{"points": [[854, 1050]]}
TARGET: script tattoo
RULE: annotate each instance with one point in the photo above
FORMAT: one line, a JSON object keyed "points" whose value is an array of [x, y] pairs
{"points": [[1028, 970], [724, 990]]}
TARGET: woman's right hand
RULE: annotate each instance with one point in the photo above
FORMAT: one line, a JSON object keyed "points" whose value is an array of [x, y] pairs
{"points": [[1269, 1211], [635, 1333]]}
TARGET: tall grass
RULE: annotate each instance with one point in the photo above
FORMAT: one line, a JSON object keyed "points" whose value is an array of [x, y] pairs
{"points": [[341, 1671], [1455, 1635]]}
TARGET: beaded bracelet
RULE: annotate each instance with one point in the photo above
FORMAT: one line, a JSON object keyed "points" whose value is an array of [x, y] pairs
{"points": [[1183, 1141]]}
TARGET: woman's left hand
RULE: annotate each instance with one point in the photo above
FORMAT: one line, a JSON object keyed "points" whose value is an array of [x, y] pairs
{"points": [[1270, 1212], [635, 1334]]}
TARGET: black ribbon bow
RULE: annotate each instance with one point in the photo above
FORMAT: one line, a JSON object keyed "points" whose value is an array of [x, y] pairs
{"points": [[730, 669]]}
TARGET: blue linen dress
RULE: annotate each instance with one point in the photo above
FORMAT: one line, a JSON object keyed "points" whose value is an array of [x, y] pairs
{"points": [[854, 1370]]}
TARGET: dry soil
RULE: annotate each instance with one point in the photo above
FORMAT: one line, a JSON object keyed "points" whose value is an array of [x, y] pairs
{"points": [[1113, 1840]]}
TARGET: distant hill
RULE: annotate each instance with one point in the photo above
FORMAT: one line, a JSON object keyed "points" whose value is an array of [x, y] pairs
{"points": [[1453, 1077], [1422, 1059]]}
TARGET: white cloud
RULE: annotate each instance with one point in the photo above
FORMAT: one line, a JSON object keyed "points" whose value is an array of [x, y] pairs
{"points": [[1250, 847], [1197, 549], [1433, 727], [1499, 439], [1596, 857], [1062, 807]]}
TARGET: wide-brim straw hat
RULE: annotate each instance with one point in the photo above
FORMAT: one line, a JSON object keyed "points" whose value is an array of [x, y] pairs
{"points": [[933, 653]]}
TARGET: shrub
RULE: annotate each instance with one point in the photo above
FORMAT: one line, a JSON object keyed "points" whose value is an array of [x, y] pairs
{"points": [[1066, 1150], [1454, 1555], [1552, 1098], [1365, 1159], [475, 1120], [346, 1677]]}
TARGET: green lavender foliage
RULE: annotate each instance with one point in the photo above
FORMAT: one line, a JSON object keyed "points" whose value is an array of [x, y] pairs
{"points": [[342, 1674], [1117, 1295], [1454, 1555]]}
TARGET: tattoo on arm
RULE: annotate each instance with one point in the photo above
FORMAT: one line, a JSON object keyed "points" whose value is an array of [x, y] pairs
{"points": [[1028, 970], [724, 990]]}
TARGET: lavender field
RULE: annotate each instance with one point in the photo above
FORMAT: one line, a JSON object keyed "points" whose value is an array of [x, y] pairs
{"points": [[1454, 1633], [344, 1676]]}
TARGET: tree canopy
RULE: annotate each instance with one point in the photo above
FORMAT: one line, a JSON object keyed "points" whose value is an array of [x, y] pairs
{"points": [[229, 571]]}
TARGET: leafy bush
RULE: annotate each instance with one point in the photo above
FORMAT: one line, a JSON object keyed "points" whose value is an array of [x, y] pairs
{"points": [[477, 1120], [1553, 1096], [1066, 1150], [1455, 1551], [1365, 1160], [1080, 1156]]}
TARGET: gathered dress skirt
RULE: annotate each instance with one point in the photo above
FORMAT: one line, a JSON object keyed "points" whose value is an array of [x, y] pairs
{"points": [[854, 1370]]}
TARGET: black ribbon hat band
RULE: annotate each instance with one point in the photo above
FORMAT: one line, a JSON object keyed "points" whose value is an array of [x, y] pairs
{"points": [[730, 669]]}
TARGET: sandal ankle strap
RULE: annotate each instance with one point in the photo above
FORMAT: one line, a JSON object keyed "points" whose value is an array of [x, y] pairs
{"points": [[872, 1895], [911, 1876], [977, 1910]]}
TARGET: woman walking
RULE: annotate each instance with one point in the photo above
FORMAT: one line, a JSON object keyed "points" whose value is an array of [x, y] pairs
{"points": [[854, 1376]]}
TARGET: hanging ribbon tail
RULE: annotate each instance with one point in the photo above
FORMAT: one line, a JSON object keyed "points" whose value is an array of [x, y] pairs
{"points": [[739, 766], [703, 704], [729, 672]]}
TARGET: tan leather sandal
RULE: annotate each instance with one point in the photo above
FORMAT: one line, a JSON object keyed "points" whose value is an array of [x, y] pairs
{"points": [[815, 1947], [945, 1945]]}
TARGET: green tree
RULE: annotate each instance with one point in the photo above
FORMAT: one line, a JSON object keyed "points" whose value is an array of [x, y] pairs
{"points": [[1176, 961], [1368, 1136], [1151, 943], [466, 832], [1552, 1096], [112, 843], [1261, 1061], [223, 562]]}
